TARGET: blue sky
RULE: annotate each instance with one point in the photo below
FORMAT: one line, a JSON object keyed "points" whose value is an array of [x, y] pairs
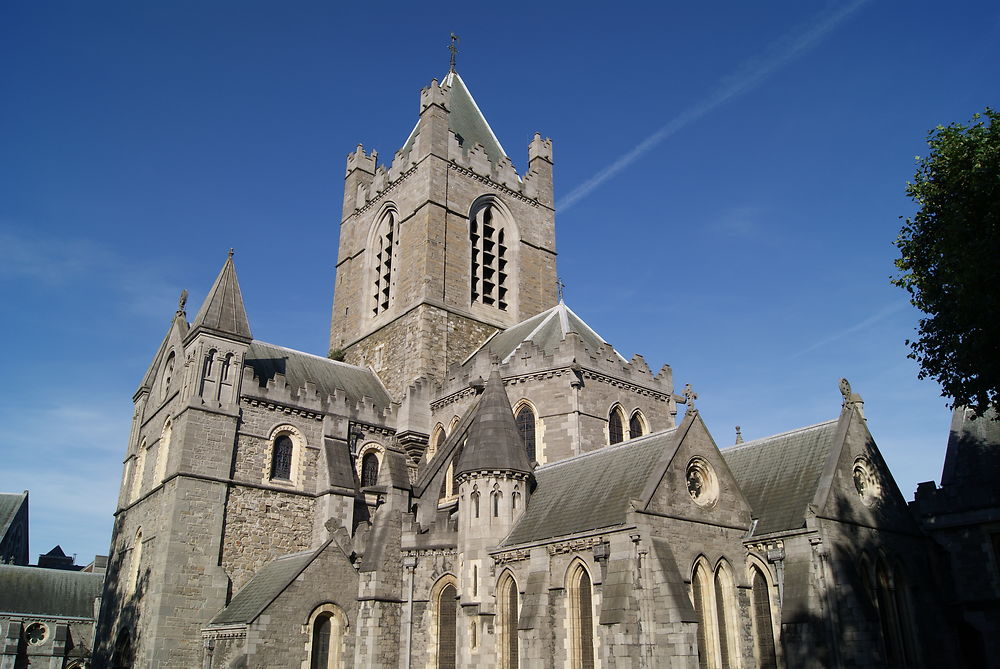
{"points": [[731, 176]]}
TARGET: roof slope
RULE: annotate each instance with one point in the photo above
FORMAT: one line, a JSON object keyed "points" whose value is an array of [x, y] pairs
{"points": [[972, 460], [54, 592], [589, 491], [494, 442], [779, 474], [269, 582], [466, 120], [329, 376], [223, 311], [10, 502], [546, 331]]}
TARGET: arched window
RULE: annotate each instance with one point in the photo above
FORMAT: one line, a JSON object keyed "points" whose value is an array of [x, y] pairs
{"points": [[384, 246], [888, 613], [447, 614], [581, 617], [207, 373], [615, 425], [636, 425], [508, 610], [725, 609], [327, 638], [525, 419], [134, 564], [168, 375], [474, 498], [437, 438], [704, 606], [449, 486], [763, 629], [497, 496], [369, 470], [162, 450], [281, 458], [488, 237], [138, 471]]}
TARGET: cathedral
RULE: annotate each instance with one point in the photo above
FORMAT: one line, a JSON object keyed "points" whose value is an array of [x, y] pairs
{"points": [[474, 477]]}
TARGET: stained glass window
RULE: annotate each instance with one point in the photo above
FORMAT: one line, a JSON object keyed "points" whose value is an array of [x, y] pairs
{"points": [[526, 428], [369, 470]]}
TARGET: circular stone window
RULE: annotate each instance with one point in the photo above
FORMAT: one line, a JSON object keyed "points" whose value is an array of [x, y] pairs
{"points": [[35, 633], [865, 482], [702, 484]]}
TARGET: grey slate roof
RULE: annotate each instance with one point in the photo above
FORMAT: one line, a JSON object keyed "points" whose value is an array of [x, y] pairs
{"points": [[269, 582], [546, 331], [779, 474], [223, 311], [973, 455], [54, 592], [466, 120], [590, 491], [494, 442], [10, 502], [328, 375]]}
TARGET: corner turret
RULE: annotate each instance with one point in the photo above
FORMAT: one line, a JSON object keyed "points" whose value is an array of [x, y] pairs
{"points": [[494, 477]]}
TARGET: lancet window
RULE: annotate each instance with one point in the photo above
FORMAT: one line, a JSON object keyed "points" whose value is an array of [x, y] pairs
{"points": [[489, 239], [616, 427], [447, 614], [636, 425], [581, 617], [762, 621], [525, 419], [507, 604]]}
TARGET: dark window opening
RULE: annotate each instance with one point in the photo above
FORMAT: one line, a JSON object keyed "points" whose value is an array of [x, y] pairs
{"points": [[281, 458], [369, 470], [525, 420]]}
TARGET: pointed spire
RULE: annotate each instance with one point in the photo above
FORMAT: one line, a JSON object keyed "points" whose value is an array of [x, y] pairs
{"points": [[223, 312], [494, 442]]}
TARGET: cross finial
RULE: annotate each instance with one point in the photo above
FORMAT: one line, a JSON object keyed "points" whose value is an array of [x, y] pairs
{"points": [[689, 396], [182, 302], [560, 288], [230, 253], [453, 48]]}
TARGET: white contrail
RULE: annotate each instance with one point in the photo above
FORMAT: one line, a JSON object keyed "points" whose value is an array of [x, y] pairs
{"points": [[857, 327], [748, 76]]}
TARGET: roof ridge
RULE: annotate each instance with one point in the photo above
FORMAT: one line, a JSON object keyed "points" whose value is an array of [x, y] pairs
{"points": [[754, 442], [607, 449]]}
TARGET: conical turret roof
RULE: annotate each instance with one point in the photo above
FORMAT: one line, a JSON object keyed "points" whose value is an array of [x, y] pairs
{"points": [[494, 442], [223, 312]]}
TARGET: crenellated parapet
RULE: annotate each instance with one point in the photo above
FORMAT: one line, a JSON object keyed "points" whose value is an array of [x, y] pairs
{"points": [[304, 399]]}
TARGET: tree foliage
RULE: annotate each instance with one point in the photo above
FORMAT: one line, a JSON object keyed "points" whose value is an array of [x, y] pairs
{"points": [[950, 260]]}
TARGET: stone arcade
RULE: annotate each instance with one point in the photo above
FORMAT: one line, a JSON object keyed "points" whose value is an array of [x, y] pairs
{"points": [[483, 480]]}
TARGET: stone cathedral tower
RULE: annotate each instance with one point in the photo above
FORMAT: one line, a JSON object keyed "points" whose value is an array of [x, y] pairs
{"points": [[443, 248]]}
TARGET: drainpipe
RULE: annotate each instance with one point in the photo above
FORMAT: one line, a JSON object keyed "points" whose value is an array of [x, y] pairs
{"points": [[410, 563]]}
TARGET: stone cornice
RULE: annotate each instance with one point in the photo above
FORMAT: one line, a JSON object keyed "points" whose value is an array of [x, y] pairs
{"points": [[489, 182]]}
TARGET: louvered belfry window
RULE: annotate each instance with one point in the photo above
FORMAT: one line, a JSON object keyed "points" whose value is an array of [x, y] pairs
{"points": [[281, 458], [384, 247], [489, 257]]}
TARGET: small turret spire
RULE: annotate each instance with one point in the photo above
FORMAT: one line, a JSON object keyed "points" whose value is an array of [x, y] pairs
{"points": [[494, 442], [223, 311], [453, 48]]}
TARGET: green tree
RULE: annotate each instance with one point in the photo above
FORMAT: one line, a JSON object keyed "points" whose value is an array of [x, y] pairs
{"points": [[950, 261]]}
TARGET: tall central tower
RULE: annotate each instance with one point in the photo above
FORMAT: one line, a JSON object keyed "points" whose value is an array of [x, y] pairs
{"points": [[444, 247]]}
